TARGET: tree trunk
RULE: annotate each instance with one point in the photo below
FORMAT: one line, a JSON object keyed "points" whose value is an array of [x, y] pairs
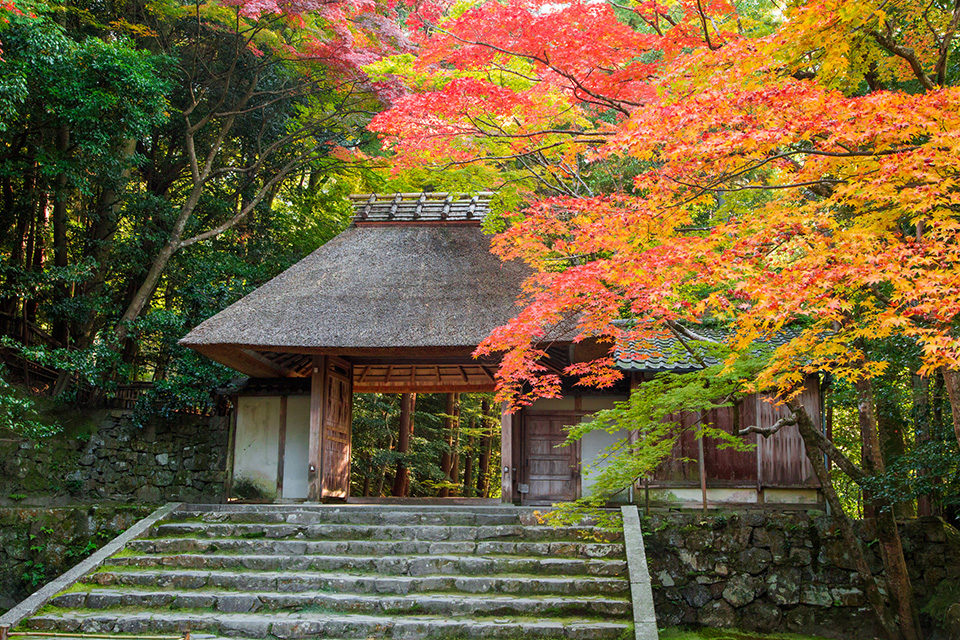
{"points": [[455, 451], [25, 207], [921, 421], [891, 548], [468, 488], [383, 470], [808, 433], [366, 483], [890, 427], [401, 481], [61, 331], [35, 259], [951, 380], [486, 445], [446, 457]]}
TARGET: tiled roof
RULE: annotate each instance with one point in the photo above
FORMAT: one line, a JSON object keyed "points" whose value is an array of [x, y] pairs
{"points": [[660, 354], [668, 354], [420, 207]]}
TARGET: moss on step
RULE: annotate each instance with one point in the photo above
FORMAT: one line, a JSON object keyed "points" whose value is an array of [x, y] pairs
{"points": [[728, 634]]}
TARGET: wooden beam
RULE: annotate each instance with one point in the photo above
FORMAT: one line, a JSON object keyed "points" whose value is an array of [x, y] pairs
{"points": [[314, 477], [281, 445], [231, 445], [399, 353], [506, 455], [279, 370], [422, 387], [701, 465], [237, 359]]}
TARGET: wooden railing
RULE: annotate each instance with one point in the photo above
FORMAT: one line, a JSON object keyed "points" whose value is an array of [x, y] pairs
{"points": [[41, 379]]}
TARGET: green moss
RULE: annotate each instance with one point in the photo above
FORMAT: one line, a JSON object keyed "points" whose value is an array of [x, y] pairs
{"points": [[728, 634], [944, 596]]}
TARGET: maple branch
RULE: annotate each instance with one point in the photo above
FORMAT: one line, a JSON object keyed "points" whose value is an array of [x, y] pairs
{"points": [[744, 169], [514, 156], [706, 30], [907, 53], [602, 100], [827, 447], [944, 45], [691, 334], [758, 187], [766, 432], [503, 69], [675, 330]]}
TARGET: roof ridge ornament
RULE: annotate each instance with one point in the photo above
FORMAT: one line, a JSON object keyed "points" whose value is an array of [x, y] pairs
{"points": [[446, 206], [394, 205], [366, 208], [420, 202], [423, 207]]}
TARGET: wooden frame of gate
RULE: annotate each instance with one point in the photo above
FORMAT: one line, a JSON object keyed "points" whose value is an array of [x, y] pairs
{"points": [[330, 436]]}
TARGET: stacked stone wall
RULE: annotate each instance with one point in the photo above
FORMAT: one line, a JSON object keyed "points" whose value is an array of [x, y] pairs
{"points": [[789, 572], [38, 544], [183, 459]]}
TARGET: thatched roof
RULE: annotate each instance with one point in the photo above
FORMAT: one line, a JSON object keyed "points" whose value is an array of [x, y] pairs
{"points": [[409, 286]]}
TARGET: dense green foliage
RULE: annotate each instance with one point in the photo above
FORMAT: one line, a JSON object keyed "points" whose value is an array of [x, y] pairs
{"points": [[475, 433], [158, 160]]}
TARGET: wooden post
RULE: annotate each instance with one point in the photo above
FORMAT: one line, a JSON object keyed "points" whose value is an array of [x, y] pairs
{"points": [[314, 445], [231, 445], [760, 443], [281, 445], [703, 472], [506, 455], [4, 632]]}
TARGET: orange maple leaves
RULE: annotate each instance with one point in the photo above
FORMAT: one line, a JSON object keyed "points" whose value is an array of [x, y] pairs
{"points": [[803, 174]]}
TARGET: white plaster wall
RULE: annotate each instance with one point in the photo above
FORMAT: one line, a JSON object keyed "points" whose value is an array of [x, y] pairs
{"points": [[694, 496], [592, 447], [295, 459], [257, 443], [791, 496]]}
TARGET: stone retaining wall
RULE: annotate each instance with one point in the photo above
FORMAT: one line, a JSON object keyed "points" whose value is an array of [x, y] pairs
{"points": [[783, 572], [38, 544], [178, 460]]}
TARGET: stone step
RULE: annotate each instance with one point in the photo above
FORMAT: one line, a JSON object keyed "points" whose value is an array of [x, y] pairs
{"points": [[359, 515], [322, 625], [292, 582], [421, 603], [410, 565], [431, 533], [374, 547]]}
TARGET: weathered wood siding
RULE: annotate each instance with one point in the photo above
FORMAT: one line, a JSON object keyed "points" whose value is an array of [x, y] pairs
{"points": [[776, 461]]}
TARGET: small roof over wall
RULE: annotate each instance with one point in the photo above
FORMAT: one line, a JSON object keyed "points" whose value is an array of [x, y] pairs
{"points": [[413, 276]]}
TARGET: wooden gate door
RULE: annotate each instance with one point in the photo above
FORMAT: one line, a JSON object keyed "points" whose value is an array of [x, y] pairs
{"points": [[335, 442], [551, 472]]}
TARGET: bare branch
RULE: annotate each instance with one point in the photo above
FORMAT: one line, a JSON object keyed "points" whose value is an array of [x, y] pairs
{"points": [[766, 432]]}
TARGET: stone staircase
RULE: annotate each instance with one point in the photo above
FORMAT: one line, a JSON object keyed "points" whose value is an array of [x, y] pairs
{"points": [[353, 571]]}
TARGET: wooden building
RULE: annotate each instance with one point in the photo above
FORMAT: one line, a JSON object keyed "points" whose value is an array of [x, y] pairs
{"points": [[396, 304]]}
